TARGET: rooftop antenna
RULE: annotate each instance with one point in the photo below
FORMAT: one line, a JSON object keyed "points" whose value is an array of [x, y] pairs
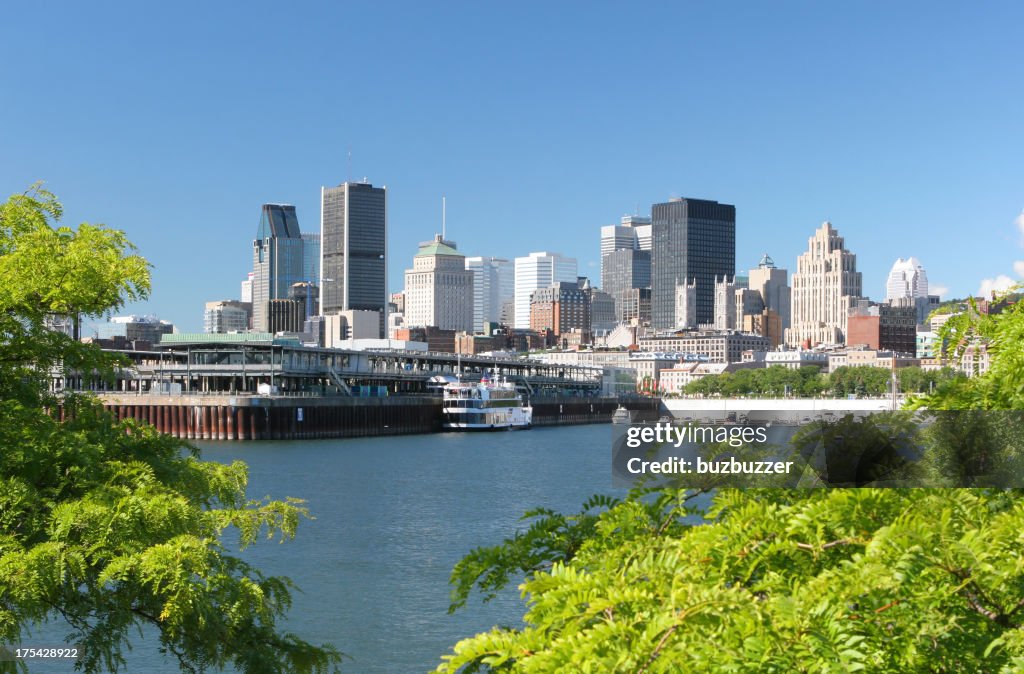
{"points": [[443, 218], [349, 179]]}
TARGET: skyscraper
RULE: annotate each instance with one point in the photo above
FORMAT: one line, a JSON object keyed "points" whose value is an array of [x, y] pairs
{"points": [[692, 240], [623, 271], [906, 279], [535, 271], [908, 283], [439, 288], [276, 259], [772, 284], [353, 240], [825, 286], [311, 257], [493, 284]]}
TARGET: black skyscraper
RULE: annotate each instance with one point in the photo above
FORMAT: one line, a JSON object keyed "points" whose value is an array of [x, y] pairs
{"points": [[693, 239], [353, 249]]}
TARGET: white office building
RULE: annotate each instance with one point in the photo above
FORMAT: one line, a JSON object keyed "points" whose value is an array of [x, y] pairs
{"points": [[439, 288], [493, 284], [536, 271]]}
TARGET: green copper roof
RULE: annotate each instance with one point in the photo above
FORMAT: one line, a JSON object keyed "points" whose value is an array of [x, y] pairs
{"points": [[437, 248], [225, 338]]}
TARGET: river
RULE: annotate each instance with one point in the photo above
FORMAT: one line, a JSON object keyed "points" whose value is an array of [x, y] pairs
{"points": [[393, 516]]}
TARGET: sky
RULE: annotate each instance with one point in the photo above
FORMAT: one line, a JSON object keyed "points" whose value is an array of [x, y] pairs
{"points": [[901, 123]]}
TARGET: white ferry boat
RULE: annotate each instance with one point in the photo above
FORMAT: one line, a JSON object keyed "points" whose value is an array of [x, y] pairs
{"points": [[486, 406]]}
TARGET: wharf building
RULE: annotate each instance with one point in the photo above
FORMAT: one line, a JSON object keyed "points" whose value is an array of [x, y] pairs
{"points": [[439, 288], [227, 316], [535, 271], [493, 285], [693, 241], [276, 259], [353, 250], [825, 286]]}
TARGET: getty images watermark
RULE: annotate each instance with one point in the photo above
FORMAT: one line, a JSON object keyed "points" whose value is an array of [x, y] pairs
{"points": [[813, 449]]}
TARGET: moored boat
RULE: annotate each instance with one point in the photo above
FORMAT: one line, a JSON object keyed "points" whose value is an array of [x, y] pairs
{"points": [[487, 405]]}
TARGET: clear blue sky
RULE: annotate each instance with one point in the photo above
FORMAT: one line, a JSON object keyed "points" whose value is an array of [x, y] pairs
{"points": [[902, 123]]}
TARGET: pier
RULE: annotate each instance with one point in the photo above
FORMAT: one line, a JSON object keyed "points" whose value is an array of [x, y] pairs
{"points": [[218, 417]]}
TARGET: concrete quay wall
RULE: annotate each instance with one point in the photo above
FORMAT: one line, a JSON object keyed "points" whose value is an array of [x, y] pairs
{"points": [[208, 417]]}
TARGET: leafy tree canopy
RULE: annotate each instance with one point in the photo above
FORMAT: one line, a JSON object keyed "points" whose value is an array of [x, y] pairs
{"points": [[111, 526], [841, 580]]}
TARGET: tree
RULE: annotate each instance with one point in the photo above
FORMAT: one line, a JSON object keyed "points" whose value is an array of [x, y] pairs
{"points": [[777, 581], [110, 525], [837, 580]]}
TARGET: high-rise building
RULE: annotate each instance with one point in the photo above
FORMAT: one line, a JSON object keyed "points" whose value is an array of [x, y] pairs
{"points": [[634, 306], [771, 283], [246, 290], [623, 271], [603, 318], [617, 237], [309, 295], [276, 259], [535, 271], [285, 315], [692, 240], [311, 258], [493, 284], [634, 233], [398, 301], [907, 280], [439, 288], [642, 227], [227, 316], [562, 307], [353, 249], [826, 284]]}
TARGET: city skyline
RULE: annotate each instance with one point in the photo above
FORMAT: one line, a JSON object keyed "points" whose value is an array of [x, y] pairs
{"points": [[897, 124]]}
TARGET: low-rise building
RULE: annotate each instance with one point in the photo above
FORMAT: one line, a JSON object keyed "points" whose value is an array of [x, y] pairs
{"points": [[717, 347], [798, 358]]}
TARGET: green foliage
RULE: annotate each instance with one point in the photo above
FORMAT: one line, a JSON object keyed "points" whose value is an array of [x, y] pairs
{"points": [[780, 581], [1002, 387], [808, 382], [111, 526]]}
